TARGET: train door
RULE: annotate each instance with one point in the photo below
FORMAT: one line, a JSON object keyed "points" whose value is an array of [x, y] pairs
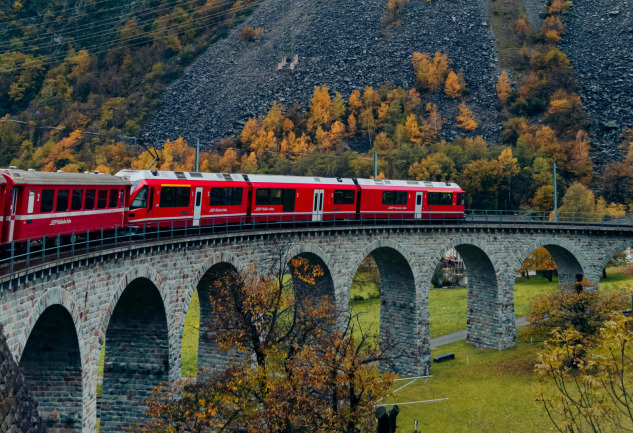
{"points": [[418, 204], [317, 205], [13, 199], [197, 207]]}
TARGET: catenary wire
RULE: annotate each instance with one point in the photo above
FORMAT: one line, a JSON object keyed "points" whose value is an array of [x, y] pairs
{"points": [[98, 24], [100, 47]]}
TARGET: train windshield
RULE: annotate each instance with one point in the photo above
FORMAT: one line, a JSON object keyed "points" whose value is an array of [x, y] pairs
{"points": [[140, 201], [134, 185]]}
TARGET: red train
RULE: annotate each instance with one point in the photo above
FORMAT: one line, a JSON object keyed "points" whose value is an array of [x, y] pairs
{"points": [[36, 204], [194, 199]]}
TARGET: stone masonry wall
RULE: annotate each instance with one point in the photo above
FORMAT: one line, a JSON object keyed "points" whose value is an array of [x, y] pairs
{"points": [[51, 365], [91, 289], [18, 408]]}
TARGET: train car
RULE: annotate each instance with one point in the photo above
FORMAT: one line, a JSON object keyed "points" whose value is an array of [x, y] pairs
{"points": [[39, 204], [179, 199], [409, 199], [298, 198]]}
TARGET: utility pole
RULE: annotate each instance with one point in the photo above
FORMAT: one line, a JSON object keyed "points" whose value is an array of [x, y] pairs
{"points": [[555, 197], [197, 154], [375, 165]]}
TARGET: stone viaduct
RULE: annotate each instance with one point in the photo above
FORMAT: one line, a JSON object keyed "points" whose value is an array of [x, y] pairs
{"points": [[57, 316]]}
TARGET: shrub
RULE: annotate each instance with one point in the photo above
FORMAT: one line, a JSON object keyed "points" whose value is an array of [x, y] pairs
{"points": [[250, 34]]}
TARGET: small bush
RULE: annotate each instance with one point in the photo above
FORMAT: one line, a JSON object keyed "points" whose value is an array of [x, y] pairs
{"points": [[250, 34]]}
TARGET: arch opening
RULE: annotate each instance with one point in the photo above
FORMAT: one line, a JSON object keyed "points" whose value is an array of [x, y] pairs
{"points": [[383, 295], [51, 365], [136, 356], [208, 355]]}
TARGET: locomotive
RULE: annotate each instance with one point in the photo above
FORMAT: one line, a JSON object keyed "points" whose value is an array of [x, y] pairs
{"points": [[37, 204]]}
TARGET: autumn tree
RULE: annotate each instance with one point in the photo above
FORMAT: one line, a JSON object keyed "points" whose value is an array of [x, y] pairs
{"points": [[451, 86], [435, 167], [579, 202], [541, 261], [320, 108], [465, 118], [592, 392], [305, 368], [503, 87]]}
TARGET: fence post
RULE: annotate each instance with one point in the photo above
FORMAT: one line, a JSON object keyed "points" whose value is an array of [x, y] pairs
{"points": [[12, 256], [87, 240], [59, 244], [116, 236], [101, 237], [44, 249], [28, 252], [73, 239]]}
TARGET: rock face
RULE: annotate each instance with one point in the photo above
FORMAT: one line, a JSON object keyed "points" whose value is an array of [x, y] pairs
{"points": [[534, 9], [18, 409], [598, 42], [338, 44]]}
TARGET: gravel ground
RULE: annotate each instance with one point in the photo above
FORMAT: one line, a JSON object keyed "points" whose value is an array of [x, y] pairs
{"points": [[599, 44], [339, 44]]}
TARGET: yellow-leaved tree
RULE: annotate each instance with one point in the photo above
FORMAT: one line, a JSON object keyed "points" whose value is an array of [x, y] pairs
{"points": [[465, 118]]}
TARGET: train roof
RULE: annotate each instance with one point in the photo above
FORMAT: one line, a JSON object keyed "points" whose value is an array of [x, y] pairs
{"points": [[408, 183], [22, 177], [267, 178], [136, 175]]}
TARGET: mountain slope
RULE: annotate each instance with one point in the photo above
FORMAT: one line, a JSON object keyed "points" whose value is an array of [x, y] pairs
{"points": [[339, 45], [599, 44]]}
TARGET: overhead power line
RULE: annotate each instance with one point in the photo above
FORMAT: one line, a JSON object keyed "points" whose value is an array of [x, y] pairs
{"points": [[93, 26], [128, 42]]}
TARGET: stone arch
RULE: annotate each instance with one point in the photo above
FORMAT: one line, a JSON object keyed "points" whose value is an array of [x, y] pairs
{"points": [[490, 304], [54, 296], [595, 268], [52, 367], [562, 251], [137, 355], [215, 266], [403, 316]]}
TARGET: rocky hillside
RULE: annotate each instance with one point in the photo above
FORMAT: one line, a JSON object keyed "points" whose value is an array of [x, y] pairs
{"points": [[599, 44], [340, 45]]}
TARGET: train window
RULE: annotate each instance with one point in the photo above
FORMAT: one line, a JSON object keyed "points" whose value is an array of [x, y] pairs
{"points": [[31, 203], [439, 198], [75, 202], [394, 197], [262, 196], [102, 199], [62, 200], [225, 196], [275, 196], [90, 199], [344, 196], [114, 198], [122, 196], [140, 201], [174, 196]]}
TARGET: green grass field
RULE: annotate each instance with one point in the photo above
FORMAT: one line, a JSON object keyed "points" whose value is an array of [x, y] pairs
{"points": [[486, 390]]}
